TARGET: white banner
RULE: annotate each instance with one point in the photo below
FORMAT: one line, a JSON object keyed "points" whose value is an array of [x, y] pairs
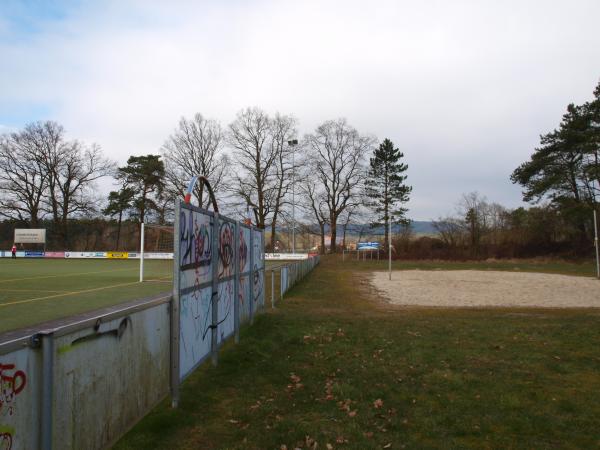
{"points": [[85, 254], [30, 236], [150, 255], [285, 256]]}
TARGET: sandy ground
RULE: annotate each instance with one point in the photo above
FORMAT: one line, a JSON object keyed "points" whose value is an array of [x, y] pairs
{"points": [[487, 288]]}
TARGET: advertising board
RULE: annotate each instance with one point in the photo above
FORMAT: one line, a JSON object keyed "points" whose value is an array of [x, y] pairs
{"points": [[30, 235]]}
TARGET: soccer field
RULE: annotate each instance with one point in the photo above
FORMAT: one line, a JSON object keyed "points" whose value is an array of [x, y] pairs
{"points": [[37, 290]]}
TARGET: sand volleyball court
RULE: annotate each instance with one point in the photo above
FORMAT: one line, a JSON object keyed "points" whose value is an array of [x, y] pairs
{"points": [[460, 288]]}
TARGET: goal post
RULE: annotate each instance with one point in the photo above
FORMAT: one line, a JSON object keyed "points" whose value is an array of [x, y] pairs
{"points": [[156, 252], [142, 242]]}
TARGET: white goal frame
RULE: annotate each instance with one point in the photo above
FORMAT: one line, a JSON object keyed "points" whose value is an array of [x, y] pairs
{"points": [[151, 255]]}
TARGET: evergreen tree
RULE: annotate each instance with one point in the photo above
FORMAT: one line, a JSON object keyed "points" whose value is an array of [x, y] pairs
{"points": [[386, 186], [146, 176], [118, 203], [565, 169]]}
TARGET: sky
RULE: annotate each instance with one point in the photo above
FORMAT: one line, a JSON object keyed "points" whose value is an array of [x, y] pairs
{"points": [[463, 88]]}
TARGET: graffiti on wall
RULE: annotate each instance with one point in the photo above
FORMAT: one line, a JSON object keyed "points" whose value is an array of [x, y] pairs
{"points": [[195, 322], [244, 295], [196, 268], [226, 249], [225, 325], [244, 238], [12, 383], [258, 286], [6, 438], [195, 243], [258, 250]]}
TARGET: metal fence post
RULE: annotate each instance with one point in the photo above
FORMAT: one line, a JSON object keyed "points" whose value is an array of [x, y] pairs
{"points": [[596, 244], [174, 347], [47, 390], [236, 280], [251, 276], [273, 288], [214, 304]]}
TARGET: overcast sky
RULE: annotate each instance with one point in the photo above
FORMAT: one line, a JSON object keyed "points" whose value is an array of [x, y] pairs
{"points": [[464, 88]]}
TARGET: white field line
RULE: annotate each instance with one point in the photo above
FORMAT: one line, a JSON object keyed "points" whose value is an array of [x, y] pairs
{"points": [[31, 290], [67, 275], [85, 291]]}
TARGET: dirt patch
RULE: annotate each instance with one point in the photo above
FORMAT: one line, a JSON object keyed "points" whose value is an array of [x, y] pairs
{"points": [[487, 288]]}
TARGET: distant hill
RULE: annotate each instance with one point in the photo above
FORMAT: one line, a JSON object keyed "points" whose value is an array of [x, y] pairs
{"points": [[420, 227]]}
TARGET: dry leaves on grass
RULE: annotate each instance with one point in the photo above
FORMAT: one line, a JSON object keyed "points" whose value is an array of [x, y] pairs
{"points": [[255, 406], [295, 379], [378, 403], [329, 389], [341, 440], [345, 405]]}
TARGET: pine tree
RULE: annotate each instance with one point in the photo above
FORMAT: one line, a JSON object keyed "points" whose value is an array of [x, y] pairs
{"points": [[386, 186]]}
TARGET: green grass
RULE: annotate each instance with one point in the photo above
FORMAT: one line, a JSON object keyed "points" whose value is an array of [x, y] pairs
{"points": [[318, 366], [38, 290]]}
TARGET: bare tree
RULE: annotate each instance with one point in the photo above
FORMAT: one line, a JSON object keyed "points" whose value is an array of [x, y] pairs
{"points": [[249, 135], [451, 230], [315, 204], [43, 172], [263, 158], [337, 152], [195, 148], [23, 180], [350, 214], [71, 168], [283, 129], [75, 175]]}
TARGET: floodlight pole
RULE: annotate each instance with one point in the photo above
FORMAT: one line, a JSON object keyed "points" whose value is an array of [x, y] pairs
{"points": [[292, 143], [596, 244], [390, 248]]}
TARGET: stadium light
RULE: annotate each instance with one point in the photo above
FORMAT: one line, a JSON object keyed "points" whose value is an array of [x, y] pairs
{"points": [[292, 143]]}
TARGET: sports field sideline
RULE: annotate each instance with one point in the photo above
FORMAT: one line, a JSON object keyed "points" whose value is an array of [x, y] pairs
{"points": [[38, 290]]}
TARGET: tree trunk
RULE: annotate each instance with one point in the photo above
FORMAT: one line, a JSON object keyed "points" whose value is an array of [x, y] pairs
{"points": [[322, 225], [273, 235], [333, 234], [119, 230]]}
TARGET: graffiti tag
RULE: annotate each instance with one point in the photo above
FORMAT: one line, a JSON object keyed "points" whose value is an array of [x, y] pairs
{"points": [[12, 383]]}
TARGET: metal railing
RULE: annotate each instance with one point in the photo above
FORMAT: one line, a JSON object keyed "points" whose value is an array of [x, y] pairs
{"points": [[289, 275]]}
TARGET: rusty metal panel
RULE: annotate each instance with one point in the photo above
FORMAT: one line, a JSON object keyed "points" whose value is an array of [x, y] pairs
{"points": [[20, 373], [109, 376]]}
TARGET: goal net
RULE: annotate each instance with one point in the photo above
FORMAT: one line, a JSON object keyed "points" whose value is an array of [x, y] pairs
{"points": [[156, 253]]}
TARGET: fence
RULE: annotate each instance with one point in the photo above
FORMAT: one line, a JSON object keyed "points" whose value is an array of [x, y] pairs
{"points": [[218, 285], [290, 274], [85, 381], [82, 384]]}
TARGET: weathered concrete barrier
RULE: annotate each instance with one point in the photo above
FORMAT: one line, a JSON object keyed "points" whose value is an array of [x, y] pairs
{"points": [[86, 381]]}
